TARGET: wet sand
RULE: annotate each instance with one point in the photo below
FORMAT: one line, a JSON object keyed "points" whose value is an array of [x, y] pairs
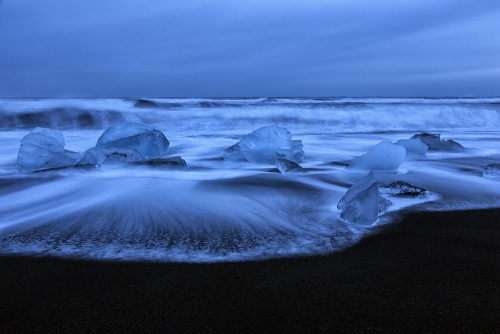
{"points": [[431, 272]]}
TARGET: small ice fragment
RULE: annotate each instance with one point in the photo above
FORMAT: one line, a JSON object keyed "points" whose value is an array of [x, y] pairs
{"points": [[233, 153], [361, 185], [149, 142], [98, 156], [288, 166], [385, 156], [492, 170], [436, 144], [403, 189], [170, 163], [362, 203], [363, 208], [265, 145], [414, 147], [44, 148], [73, 155]]}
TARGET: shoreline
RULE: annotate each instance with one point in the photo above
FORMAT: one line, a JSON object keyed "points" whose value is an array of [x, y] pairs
{"points": [[432, 271]]}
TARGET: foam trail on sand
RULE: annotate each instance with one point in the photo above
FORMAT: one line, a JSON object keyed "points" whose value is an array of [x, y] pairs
{"points": [[176, 220]]}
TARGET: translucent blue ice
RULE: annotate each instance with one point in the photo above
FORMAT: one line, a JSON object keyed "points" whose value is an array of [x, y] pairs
{"points": [[265, 145], [435, 143], [44, 148], [127, 142], [288, 167], [149, 142], [385, 156], [362, 202], [110, 156], [414, 147]]}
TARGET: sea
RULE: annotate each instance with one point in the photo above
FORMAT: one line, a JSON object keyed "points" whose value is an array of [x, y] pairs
{"points": [[217, 210]]}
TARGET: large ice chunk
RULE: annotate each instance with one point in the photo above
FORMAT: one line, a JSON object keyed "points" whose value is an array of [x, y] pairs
{"points": [[265, 145], [44, 148], [436, 144], [414, 147], [492, 170], [385, 156], [362, 203], [149, 142]]}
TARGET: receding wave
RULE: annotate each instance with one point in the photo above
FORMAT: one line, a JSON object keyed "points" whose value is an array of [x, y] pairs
{"points": [[161, 219]]}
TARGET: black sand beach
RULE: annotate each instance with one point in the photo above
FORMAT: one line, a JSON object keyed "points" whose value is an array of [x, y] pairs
{"points": [[432, 272]]}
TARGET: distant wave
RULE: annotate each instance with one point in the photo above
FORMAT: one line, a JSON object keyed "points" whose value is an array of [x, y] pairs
{"points": [[195, 115], [309, 102]]}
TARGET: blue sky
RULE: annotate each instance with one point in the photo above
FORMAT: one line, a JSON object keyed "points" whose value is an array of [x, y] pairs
{"points": [[155, 48]]}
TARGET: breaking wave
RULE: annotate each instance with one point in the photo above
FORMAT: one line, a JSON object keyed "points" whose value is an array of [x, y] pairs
{"points": [[224, 115]]}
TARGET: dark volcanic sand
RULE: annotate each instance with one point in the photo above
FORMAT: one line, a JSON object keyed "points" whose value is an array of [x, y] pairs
{"points": [[437, 272]]}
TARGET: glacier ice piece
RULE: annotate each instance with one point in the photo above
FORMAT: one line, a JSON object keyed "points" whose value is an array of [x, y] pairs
{"points": [[385, 156], [414, 147], [97, 156], [44, 148], [362, 203], [361, 185], [233, 153], [288, 166], [492, 170], [403, 189], [435, 143], [265, 145], [175, 162], [73, 155], [149, 142], [363, 208]]}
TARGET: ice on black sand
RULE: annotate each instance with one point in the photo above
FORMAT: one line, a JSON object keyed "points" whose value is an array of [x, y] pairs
{"points": [[265, 145], [385, 156], [110, 156], [127, 142], [44, 148], [414, 147], [362, 203], [288, 166], [149, 142], [403, 189], [435, 143]]}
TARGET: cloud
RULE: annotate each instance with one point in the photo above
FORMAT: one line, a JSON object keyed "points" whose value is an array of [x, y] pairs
{"points": [[244, 48]]}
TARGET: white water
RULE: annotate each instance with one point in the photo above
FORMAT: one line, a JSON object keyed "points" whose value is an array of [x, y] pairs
{"points": [[221, 211]]}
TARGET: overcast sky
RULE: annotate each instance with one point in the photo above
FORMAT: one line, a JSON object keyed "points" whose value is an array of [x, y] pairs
{"points": [[206, 48]]}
